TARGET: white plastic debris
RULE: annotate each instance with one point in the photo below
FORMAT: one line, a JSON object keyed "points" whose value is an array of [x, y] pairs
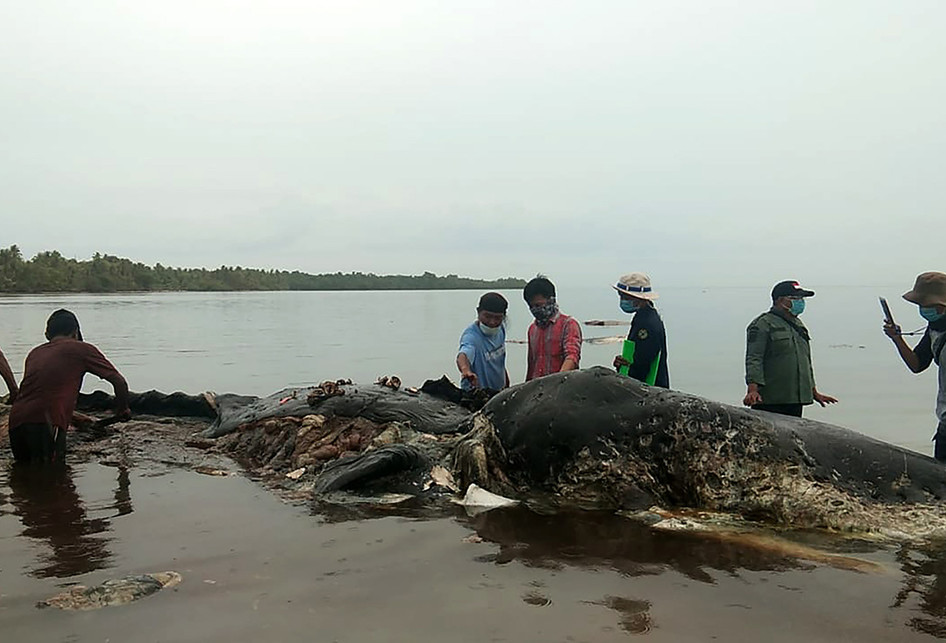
{"points": [[477, 500]]}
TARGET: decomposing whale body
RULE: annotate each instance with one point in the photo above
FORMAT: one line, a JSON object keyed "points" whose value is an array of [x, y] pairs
{"points": [[343, 436], [588, 439], [605, 441], [374, 402]]}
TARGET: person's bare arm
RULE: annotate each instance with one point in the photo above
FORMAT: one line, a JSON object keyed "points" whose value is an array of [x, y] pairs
{"points": [[466, 370], [7, 374], [909, 357]]}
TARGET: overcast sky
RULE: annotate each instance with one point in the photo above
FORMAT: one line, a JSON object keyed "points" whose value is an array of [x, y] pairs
{"points": [[724, 142]]}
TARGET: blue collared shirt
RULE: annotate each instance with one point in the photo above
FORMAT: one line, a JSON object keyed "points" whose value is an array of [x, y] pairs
{"points": [[487, 355]]}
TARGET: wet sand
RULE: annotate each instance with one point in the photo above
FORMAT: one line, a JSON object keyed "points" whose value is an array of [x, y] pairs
{"points": [[258, 568]]}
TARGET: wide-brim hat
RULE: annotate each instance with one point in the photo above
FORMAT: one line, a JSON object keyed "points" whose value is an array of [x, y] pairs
{"points": [[929, 290], [636, 284]]}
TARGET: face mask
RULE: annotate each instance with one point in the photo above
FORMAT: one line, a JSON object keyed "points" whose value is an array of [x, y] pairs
{"points": [[489, 330], [798, 306], [544, 313], [629, 305], [930, 314]]}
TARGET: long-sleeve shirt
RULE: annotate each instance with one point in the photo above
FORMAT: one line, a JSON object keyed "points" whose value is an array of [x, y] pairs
{"points": [[52, 378], [778, 359], [551, 345]]}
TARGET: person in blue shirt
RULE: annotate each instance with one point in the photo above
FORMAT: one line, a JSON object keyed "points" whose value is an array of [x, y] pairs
{"points": [[482, 355]]}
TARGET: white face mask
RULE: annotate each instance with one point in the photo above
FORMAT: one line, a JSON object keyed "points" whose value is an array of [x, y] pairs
{"points": [[487, 330]]}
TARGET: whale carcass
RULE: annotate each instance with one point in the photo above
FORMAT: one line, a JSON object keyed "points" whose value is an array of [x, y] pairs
{"points": [[588, 438]]}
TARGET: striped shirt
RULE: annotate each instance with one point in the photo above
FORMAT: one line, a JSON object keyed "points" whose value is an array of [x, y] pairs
{"points": [[551, 345]]}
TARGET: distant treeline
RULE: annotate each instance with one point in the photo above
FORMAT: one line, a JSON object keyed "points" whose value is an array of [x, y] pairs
{"points": [[51, 272]]}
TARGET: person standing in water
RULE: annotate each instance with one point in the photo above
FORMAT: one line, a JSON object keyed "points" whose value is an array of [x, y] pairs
{"points": [[52, 378], [929, 294], [647, 332]]}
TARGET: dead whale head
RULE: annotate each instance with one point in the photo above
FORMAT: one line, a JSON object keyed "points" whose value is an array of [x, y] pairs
{"points": [[594, 438]]}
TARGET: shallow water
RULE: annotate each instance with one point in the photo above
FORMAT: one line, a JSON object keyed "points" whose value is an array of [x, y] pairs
{"points": [[255, 567]]}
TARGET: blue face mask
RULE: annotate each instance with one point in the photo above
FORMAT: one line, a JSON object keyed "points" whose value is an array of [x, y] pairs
{"points": [[930, 314], [629, 305], [798, 307]]}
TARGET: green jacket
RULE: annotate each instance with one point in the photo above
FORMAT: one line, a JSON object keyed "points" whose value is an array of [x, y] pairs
{"points": [[778, 359]]}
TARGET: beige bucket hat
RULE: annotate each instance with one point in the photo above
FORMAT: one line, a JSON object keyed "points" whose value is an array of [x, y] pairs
{"points": [[929, 290], [636, 284]]}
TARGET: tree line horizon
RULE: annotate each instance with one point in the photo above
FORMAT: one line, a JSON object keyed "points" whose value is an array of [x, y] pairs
{"points": [[50, 272]]}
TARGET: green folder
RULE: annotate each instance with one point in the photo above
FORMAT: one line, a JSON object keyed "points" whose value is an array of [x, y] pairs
{"points": [[628, 354]]}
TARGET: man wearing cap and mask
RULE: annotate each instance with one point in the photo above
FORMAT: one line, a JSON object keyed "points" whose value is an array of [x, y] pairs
{"points": [[779, 375], [929, 293], [482, 355], [554, 337], [52, 377], [647, 332]]}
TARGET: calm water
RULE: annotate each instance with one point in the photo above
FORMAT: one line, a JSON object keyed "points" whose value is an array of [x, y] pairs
{"points": [[257, 569], [258, 343]]}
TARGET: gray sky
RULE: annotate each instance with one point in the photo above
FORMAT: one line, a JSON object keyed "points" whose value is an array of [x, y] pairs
{"points": [[704, 142]]}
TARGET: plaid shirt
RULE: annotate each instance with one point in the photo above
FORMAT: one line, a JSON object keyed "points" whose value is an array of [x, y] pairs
{"points": [[550, 346]]}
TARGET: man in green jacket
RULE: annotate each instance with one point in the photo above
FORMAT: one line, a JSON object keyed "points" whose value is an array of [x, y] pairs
{"points": [[778, 356]]}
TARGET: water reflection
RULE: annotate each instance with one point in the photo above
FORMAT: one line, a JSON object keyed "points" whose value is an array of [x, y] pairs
{"points": [[924, 569], [49, 507], [592, 539], [123, 493]]}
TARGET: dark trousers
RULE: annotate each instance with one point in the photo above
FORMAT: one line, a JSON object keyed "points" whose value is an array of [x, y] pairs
{"points": [[939, 442], [781, 409], [38, 444]]}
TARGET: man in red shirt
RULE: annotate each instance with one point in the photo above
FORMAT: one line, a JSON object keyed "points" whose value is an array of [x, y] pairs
{"points": [[7, 374], [47, 397], [554, 337]]}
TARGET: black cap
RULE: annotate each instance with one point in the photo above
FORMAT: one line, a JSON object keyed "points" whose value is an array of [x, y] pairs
{"points": [[493, 302], [790, 289]]}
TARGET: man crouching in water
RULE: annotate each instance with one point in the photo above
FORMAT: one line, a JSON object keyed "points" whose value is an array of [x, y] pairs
{"points": [[47, 397]]}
